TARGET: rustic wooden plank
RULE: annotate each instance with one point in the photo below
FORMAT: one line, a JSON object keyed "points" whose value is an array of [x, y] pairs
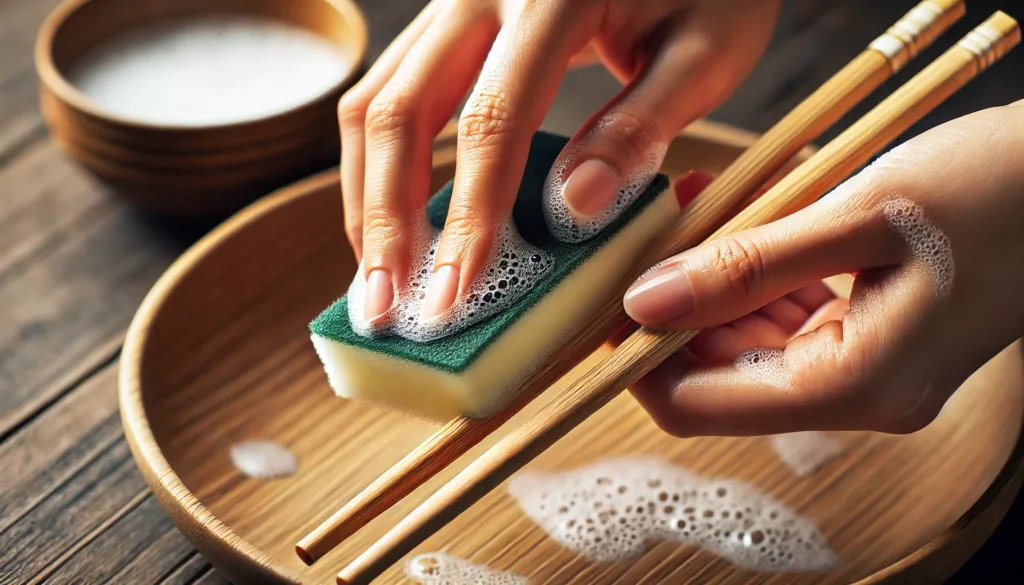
{"points": [[20, 122], [140, 547], [60, 443], [108, 488], [211, 577], [72, 282], [192, 569]]}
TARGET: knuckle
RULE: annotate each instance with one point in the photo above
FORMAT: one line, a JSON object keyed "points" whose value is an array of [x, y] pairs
{"points": [[465, 223], [487, 118], [631, 131], [352, 110], [354, 230], [381, 225], [389, 114], [740, 262]]}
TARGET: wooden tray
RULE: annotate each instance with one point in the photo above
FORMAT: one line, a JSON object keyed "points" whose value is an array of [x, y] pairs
{"points": [[219, 352]]}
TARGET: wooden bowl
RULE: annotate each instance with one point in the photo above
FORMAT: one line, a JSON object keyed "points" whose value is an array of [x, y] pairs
{"points": [[180, 169], [219, 353]]}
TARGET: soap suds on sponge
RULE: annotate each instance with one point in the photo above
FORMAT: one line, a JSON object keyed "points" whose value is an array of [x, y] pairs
{"points": [[439, 568], [613, 509], [566, 225], [515, 267], [209, 70]]}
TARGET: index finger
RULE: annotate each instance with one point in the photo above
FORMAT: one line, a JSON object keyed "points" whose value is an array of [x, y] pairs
{"points": [[516, 88]]}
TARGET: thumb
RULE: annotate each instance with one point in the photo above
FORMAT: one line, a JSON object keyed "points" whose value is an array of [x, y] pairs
{"points": [[732, 276]]}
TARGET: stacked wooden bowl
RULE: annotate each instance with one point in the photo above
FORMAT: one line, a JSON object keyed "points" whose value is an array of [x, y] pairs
{"points": [[191, 170]]}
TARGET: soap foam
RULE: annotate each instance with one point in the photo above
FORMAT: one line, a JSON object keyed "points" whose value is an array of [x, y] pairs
{"points": [[514, 268], [928, 245], [438, 568], [767, 366], [262, 459], [612, 509], [209, 70], [563, 223], [805, 452]]}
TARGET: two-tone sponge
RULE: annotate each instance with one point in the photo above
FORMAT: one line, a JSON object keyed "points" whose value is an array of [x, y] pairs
{"points": [[474, 371]]}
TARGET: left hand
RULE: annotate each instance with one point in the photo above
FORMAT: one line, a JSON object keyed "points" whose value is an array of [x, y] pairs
{"points": [[934, 232]]}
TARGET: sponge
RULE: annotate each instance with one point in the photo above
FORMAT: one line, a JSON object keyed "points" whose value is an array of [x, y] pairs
{"points": [[474, 371]]}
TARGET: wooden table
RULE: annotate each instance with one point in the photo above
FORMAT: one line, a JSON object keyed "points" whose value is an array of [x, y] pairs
{"points": [[75, 263]]}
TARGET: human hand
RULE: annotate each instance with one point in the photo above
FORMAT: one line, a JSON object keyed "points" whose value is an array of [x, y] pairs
{"points": [[679, 59], [933, 231]]}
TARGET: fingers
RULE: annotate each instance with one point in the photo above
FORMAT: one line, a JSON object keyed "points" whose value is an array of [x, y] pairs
{"points": [[515, 89], [400, 125], [890, 357], [772, 326], [698, 61], [727, 278], [352, 119]]}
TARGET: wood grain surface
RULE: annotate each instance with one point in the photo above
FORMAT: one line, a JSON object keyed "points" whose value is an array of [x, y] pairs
{"points": [[75, 263], [220, 354]]}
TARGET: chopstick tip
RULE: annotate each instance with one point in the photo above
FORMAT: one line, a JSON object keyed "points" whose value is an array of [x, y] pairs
{"points": [[304, 555]]}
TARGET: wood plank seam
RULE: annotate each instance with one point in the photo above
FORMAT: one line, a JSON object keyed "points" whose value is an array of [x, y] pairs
{"points": [[25, 415], [60, 484], [79, 226], [135, 502], [37, 135]]}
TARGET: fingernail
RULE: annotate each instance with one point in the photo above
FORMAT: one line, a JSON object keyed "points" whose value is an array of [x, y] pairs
{"points": [[380, 294], [660, 297], [591, 187], [441, 292]]}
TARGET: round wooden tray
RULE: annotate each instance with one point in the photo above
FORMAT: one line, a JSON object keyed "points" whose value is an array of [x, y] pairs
{"points": [[219, 353]]}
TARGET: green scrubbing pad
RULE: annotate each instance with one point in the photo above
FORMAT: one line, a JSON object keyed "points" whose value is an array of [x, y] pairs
{"points": [[455, 352]]}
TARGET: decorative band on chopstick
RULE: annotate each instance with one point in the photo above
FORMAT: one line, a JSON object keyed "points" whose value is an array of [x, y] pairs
{"points": [[915, 31], [991, 40]]}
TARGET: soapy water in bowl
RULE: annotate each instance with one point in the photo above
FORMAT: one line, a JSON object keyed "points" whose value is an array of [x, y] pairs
{"points": [[209, 70]]}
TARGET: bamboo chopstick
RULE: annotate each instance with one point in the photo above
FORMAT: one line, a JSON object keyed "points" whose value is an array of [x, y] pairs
{"points": [[837, 96], [645, 349]]}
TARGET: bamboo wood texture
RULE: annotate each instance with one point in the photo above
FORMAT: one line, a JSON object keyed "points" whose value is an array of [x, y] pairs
{"points": [[836, 97], [179, 170], [645, 349], [219, 353]]}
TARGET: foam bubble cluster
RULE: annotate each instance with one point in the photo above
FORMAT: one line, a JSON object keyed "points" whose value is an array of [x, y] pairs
{"points": [[805, 452], [612, 509], [929, 246], [438, 568], [767, 366], [514, 268], [263, 459], [564, 224]]}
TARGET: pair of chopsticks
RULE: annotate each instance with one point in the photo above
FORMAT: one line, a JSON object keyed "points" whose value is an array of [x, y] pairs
{"points": [[642, 351], [836, 97]]}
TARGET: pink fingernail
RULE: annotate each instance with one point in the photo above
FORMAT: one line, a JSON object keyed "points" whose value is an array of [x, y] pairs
{"points": [[380, 294], [591, 187], [661, 296], [441, 292]]}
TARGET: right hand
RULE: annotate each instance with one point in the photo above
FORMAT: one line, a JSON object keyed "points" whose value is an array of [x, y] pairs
{"points": [[679, 59]]}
